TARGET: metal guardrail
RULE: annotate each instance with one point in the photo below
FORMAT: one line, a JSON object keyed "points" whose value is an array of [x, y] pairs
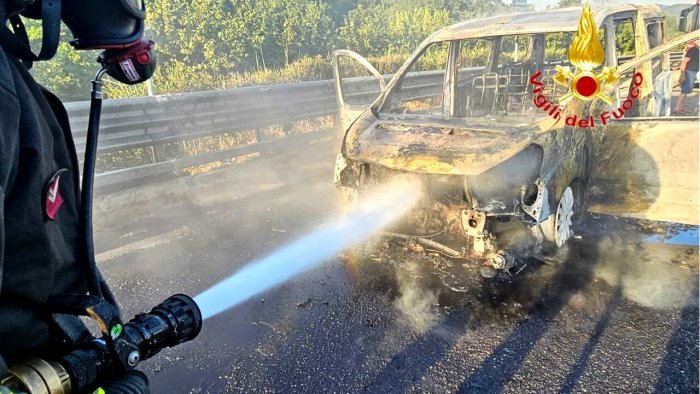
{"points": [[151, 122], [676, 58]]}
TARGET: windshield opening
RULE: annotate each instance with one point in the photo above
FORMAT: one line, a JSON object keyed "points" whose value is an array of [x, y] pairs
{"points": [[480, 76]]}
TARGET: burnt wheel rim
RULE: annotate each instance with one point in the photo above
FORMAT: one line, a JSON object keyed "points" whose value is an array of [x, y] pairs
{"points": [[565, 211]]}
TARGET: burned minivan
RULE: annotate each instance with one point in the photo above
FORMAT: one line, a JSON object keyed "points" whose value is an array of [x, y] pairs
{"points": [[500, 172]]}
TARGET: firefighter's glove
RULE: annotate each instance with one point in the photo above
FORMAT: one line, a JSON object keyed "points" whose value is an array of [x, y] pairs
{"points": [[132, 382]]}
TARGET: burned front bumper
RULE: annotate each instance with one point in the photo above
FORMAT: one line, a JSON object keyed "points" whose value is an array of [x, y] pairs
{"points": [[464, 214]]}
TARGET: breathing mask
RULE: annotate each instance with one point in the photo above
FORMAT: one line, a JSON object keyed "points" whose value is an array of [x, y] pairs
{"points": [[114, 25]]}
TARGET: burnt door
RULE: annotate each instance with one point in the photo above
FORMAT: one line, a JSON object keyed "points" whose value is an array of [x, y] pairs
{"points": [[647, 168], [645, 165], [357, 85]]}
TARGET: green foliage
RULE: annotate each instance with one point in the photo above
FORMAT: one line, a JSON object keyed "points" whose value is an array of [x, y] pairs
{"points": [[474, 53], [434, 58], [410, 26], [625, 38], [556, 46], [227, 36], [672, 27], [213, 44], [217, 44], [510, 52], [569, 3], [397, 26], [364, 30]]}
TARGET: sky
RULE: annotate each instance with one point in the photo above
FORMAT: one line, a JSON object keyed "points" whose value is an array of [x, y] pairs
{"points": [[541, 4]]}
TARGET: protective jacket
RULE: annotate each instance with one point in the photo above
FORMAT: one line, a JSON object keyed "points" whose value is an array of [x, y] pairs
{"points": [[40, 253]]}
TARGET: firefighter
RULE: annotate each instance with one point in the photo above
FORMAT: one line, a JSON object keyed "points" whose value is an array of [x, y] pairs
{"points": [[40, 236]]}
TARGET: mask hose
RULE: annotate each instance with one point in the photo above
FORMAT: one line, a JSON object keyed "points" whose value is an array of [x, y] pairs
{"points": [[131, 66], [96, 283]]}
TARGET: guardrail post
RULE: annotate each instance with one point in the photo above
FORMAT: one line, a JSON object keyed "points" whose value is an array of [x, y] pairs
{"points": [[336, 121], [286, 128], [158, 153]]}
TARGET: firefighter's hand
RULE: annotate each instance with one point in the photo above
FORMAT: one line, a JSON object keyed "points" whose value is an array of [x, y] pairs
{"points": [[132, 382]]}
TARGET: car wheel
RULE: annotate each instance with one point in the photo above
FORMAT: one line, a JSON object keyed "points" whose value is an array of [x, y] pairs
{"points": [[571, 209], [563, 225]]}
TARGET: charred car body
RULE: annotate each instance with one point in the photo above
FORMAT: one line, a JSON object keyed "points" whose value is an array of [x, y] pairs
{"points": [[459, 117]]}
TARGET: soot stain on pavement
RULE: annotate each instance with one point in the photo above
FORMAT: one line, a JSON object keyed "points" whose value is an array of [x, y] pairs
{"points": [[592, 274], [652, 275]]}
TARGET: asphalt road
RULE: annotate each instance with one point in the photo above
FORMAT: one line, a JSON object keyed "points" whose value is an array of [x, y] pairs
{"points": [[616, 311]]}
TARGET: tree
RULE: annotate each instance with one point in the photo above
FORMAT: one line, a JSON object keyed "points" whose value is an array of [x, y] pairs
{"points": [[204, 34], [364, 30], [624, 38], [569, 3], [256, 21], [408, 27], [69, 74], [337, 9], [672, 27], [203, 44]]}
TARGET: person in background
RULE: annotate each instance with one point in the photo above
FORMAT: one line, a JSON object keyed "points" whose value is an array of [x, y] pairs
{"points": [[689, 71]]}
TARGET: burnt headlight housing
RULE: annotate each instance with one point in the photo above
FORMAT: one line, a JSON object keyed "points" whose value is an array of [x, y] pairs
{"points": [[529, 194], [533, 196], [505, 181]]}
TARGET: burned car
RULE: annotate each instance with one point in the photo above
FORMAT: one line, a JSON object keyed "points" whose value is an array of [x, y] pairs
{"points": [[500, 172]]}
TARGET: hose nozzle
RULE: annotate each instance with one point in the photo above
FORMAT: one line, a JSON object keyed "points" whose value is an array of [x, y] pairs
{"points": [[172, 322]]}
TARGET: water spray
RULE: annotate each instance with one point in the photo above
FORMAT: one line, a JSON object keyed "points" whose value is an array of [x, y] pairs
{"points": [[179, 318], [378, 209]]}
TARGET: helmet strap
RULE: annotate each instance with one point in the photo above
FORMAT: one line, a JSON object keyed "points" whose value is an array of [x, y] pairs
{"points": [[16, 42]]}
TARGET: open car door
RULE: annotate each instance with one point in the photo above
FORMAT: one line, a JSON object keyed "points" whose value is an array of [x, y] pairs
{"points": [[646, 167], [357, 85]]}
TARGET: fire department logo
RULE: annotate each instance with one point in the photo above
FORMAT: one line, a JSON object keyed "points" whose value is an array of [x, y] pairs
{"points": [[586, 54], [52, 195]]}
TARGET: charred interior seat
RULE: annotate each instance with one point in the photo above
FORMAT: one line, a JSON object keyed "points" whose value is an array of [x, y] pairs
{"points": [[516, 90], [485, 95], [551, 90]]}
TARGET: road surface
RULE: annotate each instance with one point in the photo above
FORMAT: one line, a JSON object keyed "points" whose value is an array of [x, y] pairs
{"points": [[616, 311]]}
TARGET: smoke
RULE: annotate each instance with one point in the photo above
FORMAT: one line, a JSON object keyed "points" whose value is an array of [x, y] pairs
{"points": [[380, 207], [416, 303], [653, 278]]}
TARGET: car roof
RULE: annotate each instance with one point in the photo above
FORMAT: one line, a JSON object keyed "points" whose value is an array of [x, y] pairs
{"points": [[549, 21]]}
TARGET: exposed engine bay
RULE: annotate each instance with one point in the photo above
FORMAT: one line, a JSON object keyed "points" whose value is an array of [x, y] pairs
{"points": [[486, 218]]}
